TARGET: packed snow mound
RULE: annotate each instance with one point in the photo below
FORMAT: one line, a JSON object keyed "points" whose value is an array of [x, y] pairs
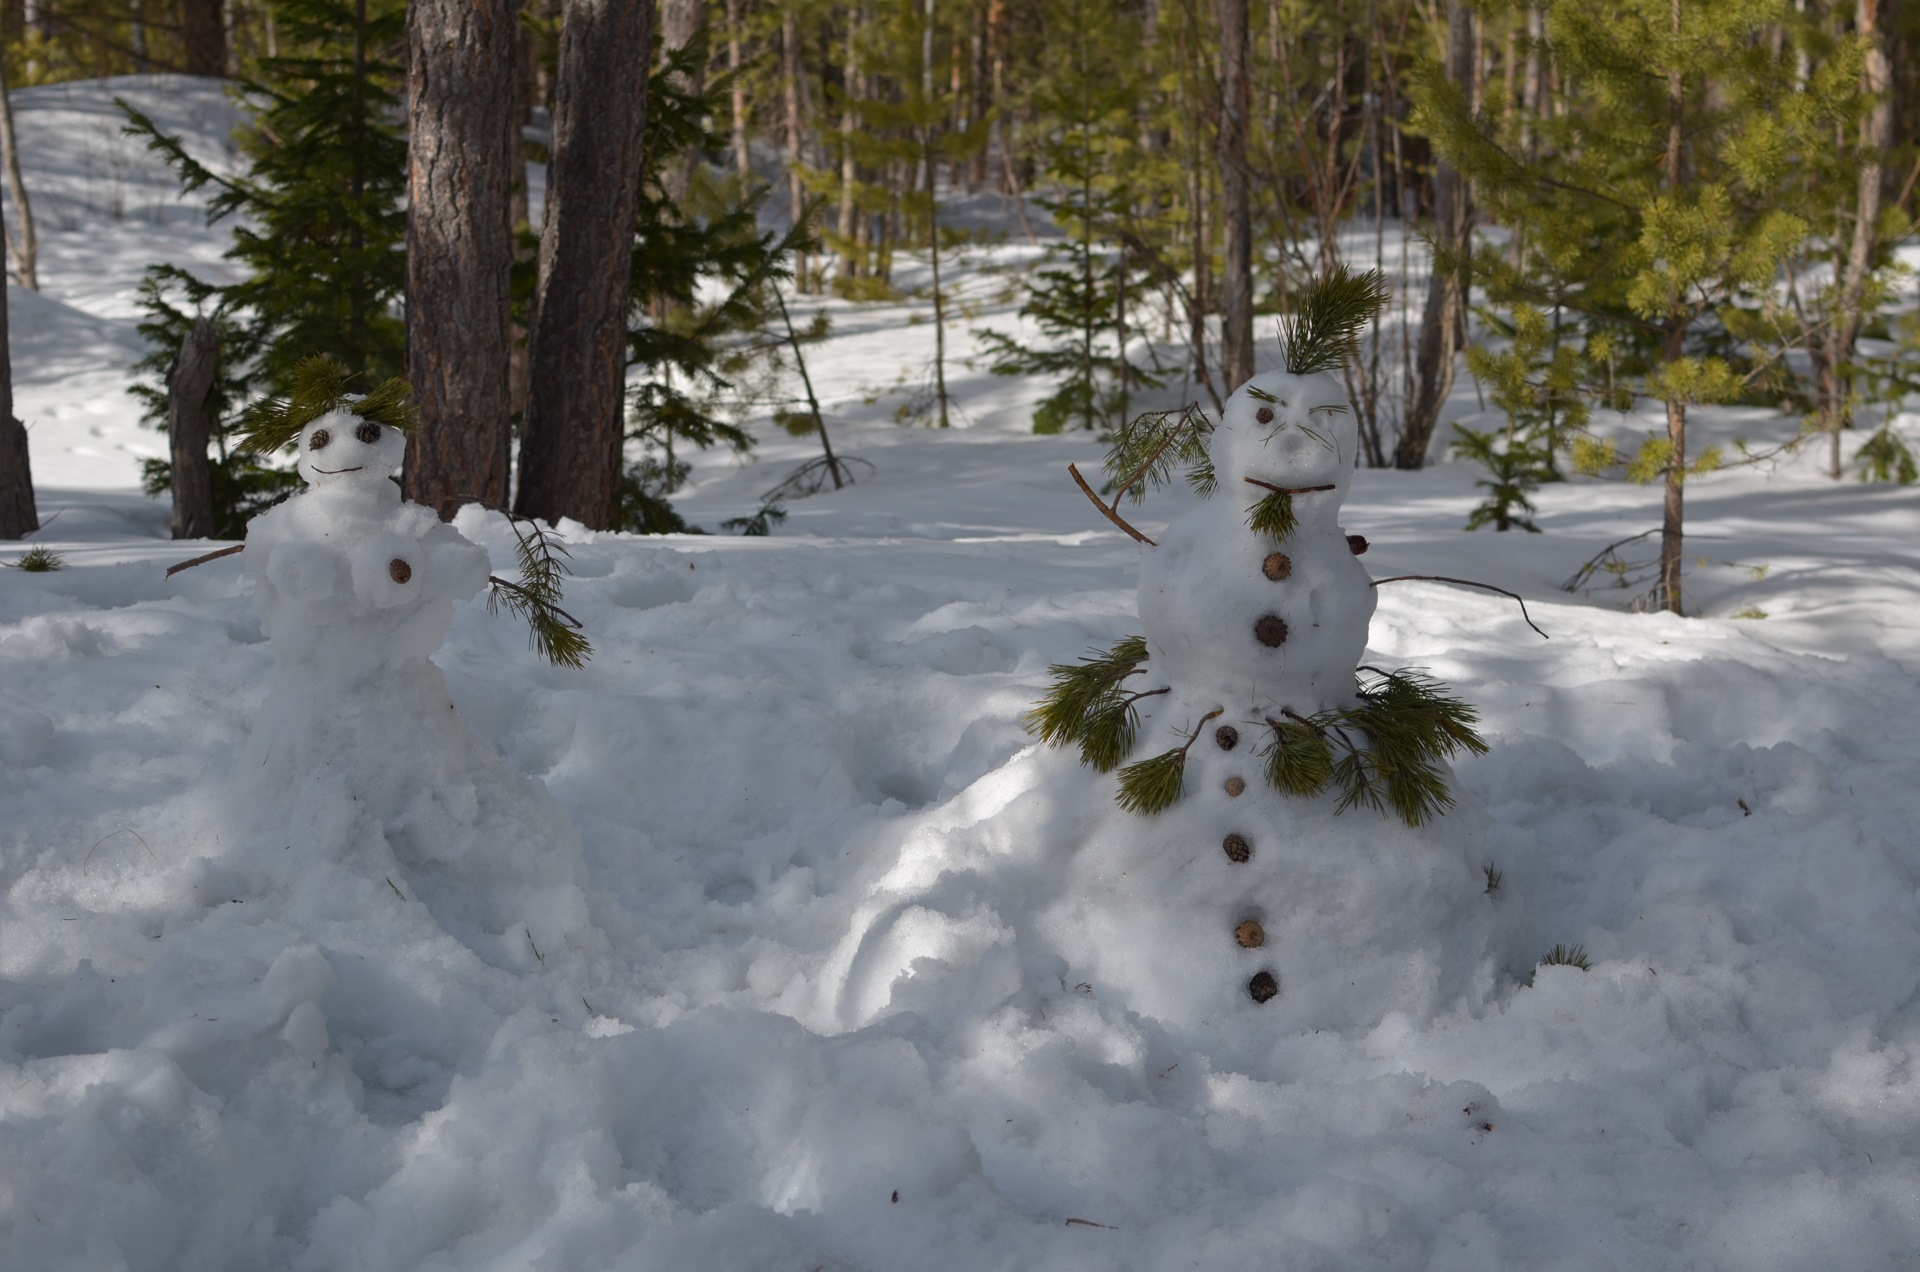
{"points": [[358, 756]]}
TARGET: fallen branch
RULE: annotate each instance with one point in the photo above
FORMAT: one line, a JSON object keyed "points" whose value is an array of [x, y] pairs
{"points": [[202, 560], [1109, 511], [1442, 578]]}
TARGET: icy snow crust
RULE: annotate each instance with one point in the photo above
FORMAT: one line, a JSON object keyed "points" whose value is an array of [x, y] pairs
{"points": [[833, 954]]}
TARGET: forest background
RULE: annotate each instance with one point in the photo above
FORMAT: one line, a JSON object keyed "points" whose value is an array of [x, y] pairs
{"points": [[1656, 201]]}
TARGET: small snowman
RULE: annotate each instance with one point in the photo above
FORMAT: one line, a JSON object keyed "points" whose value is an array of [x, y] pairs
{"points": [[1262, 728], [358, 754]]}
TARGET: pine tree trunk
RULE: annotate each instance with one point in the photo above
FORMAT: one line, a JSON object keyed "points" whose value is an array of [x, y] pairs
{"points": [[1236, 275], [570, 450], [1876, 134], [23, 249], [742, 154], [460, 155], [849, 166], [204, 34], [681, 22], [189, 426], [1453, 233], [796, 133], [17, 516], [1672, 540]]}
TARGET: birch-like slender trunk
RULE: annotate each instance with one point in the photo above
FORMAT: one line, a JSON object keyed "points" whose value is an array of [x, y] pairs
{"points": [[1876, 134], [1672, 538], [1236, 273]]}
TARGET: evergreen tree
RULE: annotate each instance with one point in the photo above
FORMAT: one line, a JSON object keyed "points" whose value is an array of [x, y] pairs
{"points": [[319, 238], [1081, 302], [1654, 204]]}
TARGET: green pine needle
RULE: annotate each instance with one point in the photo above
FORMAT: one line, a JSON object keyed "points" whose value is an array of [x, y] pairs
{"points": [[38, 559], [1299, 762], [1153, 785], [1148, 447], [1110, 734], [1331, 313], [554, 633], [1493, 879], [1202, 478], [1567, 956], [319, 385], [1081, 692], [1273, 517]]}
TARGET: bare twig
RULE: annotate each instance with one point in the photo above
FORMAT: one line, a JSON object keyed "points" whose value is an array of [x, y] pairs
{"points": [[395, 887], [1088, 1223], [1108, 510], [533, 947], [1285, 490], [124, 830], [202, 560], [1442, 578], [1592, 563]]}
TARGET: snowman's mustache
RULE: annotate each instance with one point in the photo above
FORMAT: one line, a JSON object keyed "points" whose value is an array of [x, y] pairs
{"points": [[335, 472]]}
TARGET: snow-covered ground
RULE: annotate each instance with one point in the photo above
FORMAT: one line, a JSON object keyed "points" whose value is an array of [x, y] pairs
{"points": [[825, 1015]]}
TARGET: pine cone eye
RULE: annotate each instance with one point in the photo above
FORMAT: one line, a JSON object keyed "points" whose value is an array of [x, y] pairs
{"points": [[1264, 415], [368, 432], [319, 440]]}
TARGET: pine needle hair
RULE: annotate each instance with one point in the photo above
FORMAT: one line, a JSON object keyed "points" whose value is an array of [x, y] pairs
{"points": [[319, 386]]}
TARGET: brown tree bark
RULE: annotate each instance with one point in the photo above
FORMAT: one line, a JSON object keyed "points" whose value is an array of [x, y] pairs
{"points": [[203, 31], [1667, 592], [736, 23], [189, 426], [1446, 291], [23, 248], [17, 516], [1876, 135], [792, 91], [682, 22], [1236, 273], [462, 131], [570, 449]]}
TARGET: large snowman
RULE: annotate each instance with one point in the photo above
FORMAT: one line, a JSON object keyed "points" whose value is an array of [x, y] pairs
{"points": [[358, 757], [1290, 847]]}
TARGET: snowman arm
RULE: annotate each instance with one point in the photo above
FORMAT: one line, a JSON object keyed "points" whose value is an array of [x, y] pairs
{"points": [[1441, 578], [203, 559], [1109, 510]]}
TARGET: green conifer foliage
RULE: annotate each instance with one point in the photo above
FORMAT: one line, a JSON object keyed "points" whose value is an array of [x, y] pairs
{"points": [[319, 238], [1084, 301], [1652, 200]]}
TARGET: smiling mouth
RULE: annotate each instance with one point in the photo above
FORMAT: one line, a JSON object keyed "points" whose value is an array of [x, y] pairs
{"points": [[335, 472]]}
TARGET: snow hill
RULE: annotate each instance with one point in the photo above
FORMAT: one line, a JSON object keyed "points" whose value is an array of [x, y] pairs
{"points": [[824, 1020]]}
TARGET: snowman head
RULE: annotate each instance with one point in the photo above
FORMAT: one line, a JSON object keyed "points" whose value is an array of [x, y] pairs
{"points": [[343, 451], [1292, 431], [344, 441]]}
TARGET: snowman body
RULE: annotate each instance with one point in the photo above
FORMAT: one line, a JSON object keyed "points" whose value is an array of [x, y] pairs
{"points": [[358, 755], [1239, 908]]}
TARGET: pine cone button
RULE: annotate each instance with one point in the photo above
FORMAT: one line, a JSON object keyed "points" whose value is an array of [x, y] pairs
{"points": [[1238, 850], [1357, 544], [1235, 785], [1277, 566], [1250, 935], [1264, 986], [1271, 631], [399, 571], [1227, 736]]}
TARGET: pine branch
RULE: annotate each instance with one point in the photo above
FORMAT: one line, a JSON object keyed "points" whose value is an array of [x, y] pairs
{"points": [[1109, 511], [1153, 785], [553, 633], [1273, 516], [319, 385], [1086, 706], [1147, 447], [1332, 312]]}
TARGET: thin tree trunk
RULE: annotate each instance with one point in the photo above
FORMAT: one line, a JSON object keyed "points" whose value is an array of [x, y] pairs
{"points": [[1876, 134], [204, 34], [742, 153], [849, 168], [571, 440], [189, 426], [681, 22], [1672, 540], [1446, 291], [939, 301], [1236, 281], [460, 153], [17, 516], [23, 249], [796, 132]]}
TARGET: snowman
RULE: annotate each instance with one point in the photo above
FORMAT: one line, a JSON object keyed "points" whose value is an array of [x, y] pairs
{"points": [[358, 755], [1290, 842]]}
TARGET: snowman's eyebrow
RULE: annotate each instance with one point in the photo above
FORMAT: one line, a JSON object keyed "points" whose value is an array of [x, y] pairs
{"points": [[1261, 395], [1330, 407]]}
